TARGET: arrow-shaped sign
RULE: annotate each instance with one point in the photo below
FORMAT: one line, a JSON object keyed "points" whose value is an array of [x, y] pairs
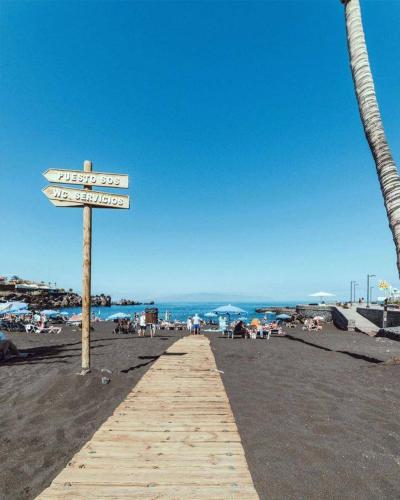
{"points": [[101, 179], [70, 197]]}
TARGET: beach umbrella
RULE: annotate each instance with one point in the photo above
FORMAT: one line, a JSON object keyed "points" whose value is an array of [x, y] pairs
{"points": [[76, 317], [12, 306], [229, 309], [118, 315], [20, 312], [211, 315], [283, 316], [12, 311], [50, 312], [322, 295]]}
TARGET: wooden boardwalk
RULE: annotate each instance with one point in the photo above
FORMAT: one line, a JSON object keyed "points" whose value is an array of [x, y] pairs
{"points": [[174, 436]]}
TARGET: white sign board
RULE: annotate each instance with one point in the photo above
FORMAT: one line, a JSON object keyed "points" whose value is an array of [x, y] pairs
{"points": [[70, 197], [101, 179]]}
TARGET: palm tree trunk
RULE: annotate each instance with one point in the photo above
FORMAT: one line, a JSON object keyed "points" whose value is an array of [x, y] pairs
{"points": [[371, 119]]}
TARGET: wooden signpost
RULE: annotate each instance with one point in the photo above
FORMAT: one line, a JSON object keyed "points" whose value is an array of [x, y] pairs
{"points": [[72, 197], [62, 197], [93, 179]]}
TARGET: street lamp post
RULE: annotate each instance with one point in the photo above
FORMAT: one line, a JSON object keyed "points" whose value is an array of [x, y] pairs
{"points": [[351, 291], [368, 288], [354, 288], [370, 292]]}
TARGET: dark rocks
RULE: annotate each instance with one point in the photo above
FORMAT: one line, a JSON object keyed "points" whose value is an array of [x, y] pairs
{"points": [[392, 332], [101, 300], [46, 300], [131, 302]]}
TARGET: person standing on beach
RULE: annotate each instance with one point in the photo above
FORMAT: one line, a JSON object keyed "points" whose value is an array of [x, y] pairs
{"points": [[189, 324], [152, 329], [142, 324], [196, 324], [222, 325], [36, 318]]}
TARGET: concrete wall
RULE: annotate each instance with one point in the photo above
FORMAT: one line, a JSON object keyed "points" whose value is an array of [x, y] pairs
{"points": [[376, 316]]}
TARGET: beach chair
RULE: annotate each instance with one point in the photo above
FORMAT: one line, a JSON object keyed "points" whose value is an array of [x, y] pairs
{"points": [[50, 329], [266, 333]]}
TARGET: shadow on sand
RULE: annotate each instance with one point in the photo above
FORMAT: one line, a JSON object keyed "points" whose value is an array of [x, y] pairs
{"points": [[151, 360], [347, 353]]}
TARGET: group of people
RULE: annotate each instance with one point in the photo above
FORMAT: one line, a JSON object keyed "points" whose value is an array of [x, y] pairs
{"points": [[263, 329], [312, 325], [124, 326], [137, 325], [257, 327], [34, 321]]}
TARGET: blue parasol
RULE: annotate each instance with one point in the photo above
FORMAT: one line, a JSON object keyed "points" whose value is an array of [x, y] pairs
{"points": [[118, 315]]}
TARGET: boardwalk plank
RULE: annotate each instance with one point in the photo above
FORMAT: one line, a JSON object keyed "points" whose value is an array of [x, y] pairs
{"points": [[173, 437]]}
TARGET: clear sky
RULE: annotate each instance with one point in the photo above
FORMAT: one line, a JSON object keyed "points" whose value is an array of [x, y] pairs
{"points": [[237, 123]]}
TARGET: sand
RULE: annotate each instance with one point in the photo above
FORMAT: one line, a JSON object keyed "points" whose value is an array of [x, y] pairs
{"points": [[319, 414], [48, 411]]}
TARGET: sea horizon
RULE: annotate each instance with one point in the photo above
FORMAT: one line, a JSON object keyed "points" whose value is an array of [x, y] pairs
{"points": [[182, 310]]}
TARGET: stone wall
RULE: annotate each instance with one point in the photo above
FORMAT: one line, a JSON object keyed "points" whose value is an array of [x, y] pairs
{"points": [[376, 316], [341, 322], [312, 311]]}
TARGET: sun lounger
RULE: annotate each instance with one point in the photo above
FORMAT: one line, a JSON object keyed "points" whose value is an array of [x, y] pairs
{"points": [[38, 329]]}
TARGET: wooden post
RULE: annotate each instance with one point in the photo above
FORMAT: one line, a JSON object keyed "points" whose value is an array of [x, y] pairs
{"points": [[86, 278]]}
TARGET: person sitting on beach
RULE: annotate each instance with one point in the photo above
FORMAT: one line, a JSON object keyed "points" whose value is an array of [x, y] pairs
{"points": [[129, 326], [7, 348], [316, 325], [117, 328], [240, 329]]}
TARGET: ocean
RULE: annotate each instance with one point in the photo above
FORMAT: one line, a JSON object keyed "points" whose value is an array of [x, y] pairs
{"points": [[182, 310]]}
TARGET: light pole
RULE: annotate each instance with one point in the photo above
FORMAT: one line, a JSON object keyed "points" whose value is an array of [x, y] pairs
{"points": [[354, 288], [368, 278], [351, 291], [370, 292]]}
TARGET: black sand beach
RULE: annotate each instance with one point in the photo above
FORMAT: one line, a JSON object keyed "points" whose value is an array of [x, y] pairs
{"points": [[318, 413], [48, 412]]}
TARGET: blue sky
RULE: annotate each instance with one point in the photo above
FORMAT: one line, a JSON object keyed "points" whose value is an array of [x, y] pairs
{"points": [[238, 125]]}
